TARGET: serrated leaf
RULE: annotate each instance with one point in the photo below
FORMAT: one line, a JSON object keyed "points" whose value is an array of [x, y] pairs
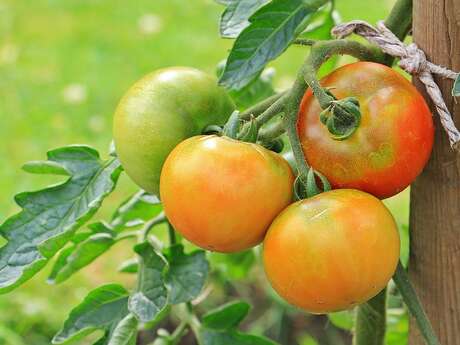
{"points": [[456, 87], [136, 210], [103, 308], [152, 295], [45, 167], [80, 256], [226, 316], [236, 15], [125, 332], [256, 91], [132, 212], [320, 28], [50, 216], [272, 29], [186, 275]]}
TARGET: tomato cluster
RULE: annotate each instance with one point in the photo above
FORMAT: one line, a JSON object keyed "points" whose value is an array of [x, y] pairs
{"points": [[324, 253]]}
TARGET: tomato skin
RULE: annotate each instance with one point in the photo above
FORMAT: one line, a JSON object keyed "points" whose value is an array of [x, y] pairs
{"points": [[393, 142], [332, 251], [222, 194], [158, 112]]}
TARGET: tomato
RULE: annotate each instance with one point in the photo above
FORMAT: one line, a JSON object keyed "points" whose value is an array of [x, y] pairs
{"points": [[393, 142], [332, 251], [222, 194], [158, 112]]}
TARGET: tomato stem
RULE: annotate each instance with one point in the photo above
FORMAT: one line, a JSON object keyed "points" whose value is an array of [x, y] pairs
{"points": [[412, 301], [399, 21], [260, 107], [272, 131]]}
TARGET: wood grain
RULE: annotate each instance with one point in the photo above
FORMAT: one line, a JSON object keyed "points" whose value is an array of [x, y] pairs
{"points": [[435, 196]]}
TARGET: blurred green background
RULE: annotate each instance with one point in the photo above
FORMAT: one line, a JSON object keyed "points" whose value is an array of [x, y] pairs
{"points": [[64, 64]]}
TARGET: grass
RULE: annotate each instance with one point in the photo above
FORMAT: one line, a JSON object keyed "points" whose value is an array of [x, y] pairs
{"points": [[64, 64]]}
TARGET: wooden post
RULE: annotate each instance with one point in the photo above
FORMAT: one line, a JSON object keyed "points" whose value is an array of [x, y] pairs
{"points": [[435, 196]]}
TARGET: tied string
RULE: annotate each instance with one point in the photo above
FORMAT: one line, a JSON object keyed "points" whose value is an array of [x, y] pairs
{"points": [[412, 60]]}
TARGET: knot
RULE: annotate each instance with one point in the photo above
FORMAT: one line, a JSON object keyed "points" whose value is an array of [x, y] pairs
{"points": [[414, 61]]}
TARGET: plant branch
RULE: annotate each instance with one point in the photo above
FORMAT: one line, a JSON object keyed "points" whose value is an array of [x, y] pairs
{"points": [[304, 42], [272, 131], [161, 218], [399, 21], [260, 107]]}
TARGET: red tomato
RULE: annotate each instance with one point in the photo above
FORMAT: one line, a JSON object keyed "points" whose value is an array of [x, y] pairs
{"points": [[332, 251], [393, 142], [222, 194]]}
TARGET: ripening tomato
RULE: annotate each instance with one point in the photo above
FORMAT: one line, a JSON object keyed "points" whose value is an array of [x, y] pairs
{"points": [[332, 251], [158, 112], [393, 142], [222, 194]]}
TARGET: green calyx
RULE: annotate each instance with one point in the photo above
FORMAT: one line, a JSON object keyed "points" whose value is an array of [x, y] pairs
{"points": [[238, 129], [307, 186], [342, 117]]}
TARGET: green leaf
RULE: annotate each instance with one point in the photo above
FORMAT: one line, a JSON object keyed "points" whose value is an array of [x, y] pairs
{"points": [[129, 266], [125, 332], [219, 326], [152, 295], [342, 319], [45, 167], [213, 337], [81, 255], [236, 15], [256, 91], [272, 29], [136, 210], [320, 28], [227, 316], [233, 266], [103, 308], [50, 216], [321, 23], [186, 275], [133, 212], [456, 88]]}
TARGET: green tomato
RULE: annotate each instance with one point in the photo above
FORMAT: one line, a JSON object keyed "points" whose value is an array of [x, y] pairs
{"points": [[161, 110]]}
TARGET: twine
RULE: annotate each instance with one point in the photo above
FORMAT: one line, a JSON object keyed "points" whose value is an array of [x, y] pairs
{"points": [[412, 60]]}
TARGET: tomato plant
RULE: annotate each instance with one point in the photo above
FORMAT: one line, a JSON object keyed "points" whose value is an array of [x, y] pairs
{"points": [[221, 179], [159, 111], [345, 241], [392, 143], [223, 194]]}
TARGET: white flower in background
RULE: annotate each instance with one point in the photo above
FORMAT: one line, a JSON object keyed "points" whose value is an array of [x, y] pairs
{"points": [[8, 53], [97, 124], [74, 93], [149, 24]]}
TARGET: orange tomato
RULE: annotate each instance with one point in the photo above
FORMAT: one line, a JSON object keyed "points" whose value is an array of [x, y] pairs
{"points": [[222, 194], [332, 251], [393, 142]]}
